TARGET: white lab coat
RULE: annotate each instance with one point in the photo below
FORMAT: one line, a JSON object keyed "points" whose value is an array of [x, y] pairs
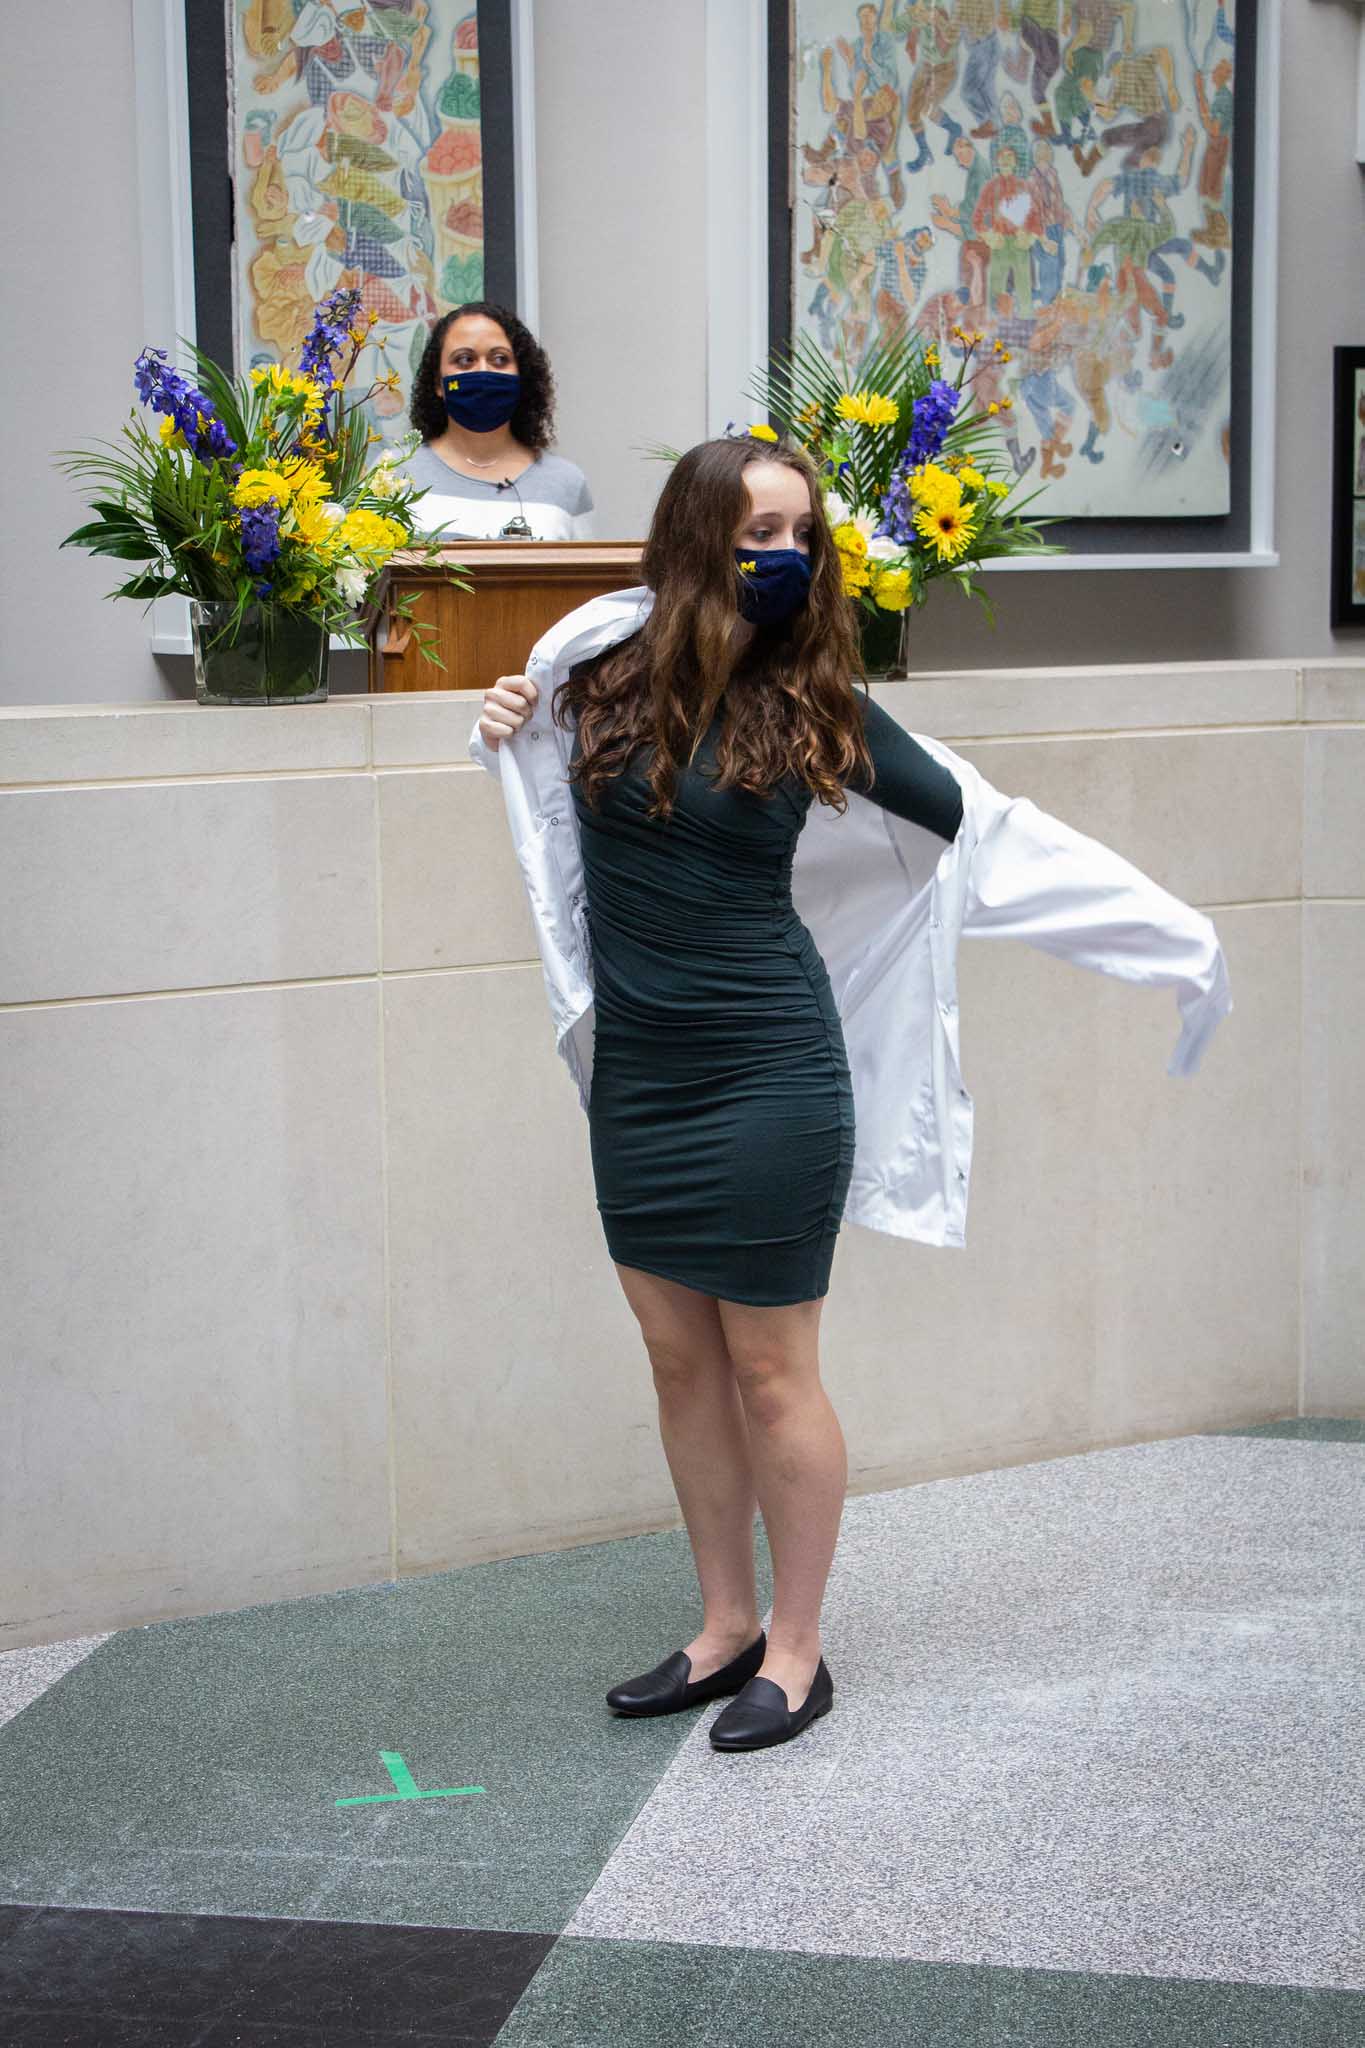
{"points": [[886, 903]]}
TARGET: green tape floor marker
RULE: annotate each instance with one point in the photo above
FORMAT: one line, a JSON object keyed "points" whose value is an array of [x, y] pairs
{"points": [[406, 1785]]}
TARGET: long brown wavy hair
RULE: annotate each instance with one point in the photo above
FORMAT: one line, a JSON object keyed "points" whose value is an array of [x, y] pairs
{"points": [[796, 712]]}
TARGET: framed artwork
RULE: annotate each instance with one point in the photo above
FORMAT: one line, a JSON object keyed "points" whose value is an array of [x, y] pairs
{"points": [[367, 144], [1076, 180], [1348, 487]]}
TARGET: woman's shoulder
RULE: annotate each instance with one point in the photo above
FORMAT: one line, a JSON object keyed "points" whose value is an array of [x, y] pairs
{"points": [[565, 479], [555, 464]]}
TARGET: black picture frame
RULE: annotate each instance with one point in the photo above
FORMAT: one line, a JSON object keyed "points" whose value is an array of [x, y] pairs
{"points": [[1166, 535], [207, 27], [1348, 487]]}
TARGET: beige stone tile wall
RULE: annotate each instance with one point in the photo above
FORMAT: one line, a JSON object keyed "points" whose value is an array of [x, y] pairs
{"points": [[304, 1281]]}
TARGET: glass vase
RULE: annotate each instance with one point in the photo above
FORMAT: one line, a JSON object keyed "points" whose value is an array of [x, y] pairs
{"points": [[270, 656], [884, 641]]}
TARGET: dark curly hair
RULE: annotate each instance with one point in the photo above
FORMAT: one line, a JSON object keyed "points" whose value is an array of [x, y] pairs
{"points": [[533, 422]]}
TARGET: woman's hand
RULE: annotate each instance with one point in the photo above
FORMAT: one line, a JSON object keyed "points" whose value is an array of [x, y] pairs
{"points": [[506, 708]]}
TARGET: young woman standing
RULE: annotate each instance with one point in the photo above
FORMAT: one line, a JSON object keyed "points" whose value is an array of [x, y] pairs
{"points": [[721, 1113]]}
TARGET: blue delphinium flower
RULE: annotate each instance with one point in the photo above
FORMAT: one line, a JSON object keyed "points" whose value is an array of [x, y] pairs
{"points": [[933, 415], [329, 334], [171, 392], [261, 541]]}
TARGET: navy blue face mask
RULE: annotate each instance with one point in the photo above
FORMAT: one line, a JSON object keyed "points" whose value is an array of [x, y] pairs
{"points": [[773, 583], [482, 399]]}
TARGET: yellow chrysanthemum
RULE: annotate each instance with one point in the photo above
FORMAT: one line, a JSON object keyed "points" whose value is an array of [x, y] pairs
{"points": [[255, 486], [305, 479], [759, 432], [869, 408], [892, 590], [371, 537], [315, 526], [933, 486], [948, 528], [997, 490], [857, 575], [971, 477], [850, 539]]}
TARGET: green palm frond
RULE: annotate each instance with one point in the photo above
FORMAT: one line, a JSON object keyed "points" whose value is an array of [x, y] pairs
{"points": [[217, 385]]}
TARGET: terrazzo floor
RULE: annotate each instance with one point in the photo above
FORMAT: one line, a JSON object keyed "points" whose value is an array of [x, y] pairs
{"points": [[1094, 1775]]}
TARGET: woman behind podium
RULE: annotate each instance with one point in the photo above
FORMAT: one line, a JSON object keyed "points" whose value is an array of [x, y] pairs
{"points": [[483, 402]]}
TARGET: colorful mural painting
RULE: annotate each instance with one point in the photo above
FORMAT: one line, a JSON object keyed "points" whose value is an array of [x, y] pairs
{"points": [[1052, 174], [358, 162]]}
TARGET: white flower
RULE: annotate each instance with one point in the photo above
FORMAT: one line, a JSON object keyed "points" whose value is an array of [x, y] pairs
{"points": [[383, 481], [882, 548], [331, 511], [352, 581], [396, 452], [841, 513]]}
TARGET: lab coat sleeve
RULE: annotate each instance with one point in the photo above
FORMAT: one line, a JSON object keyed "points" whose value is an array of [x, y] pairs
{"points": [[1034, 878], [481, 753]]}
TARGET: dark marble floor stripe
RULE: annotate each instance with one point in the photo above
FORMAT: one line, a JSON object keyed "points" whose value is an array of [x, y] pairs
{"points": [[619, 1994], [78, 1975], [1309, 1429], [195, 1766]]}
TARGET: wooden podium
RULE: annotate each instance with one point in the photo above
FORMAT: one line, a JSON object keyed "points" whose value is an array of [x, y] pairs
{"points": [[518, 589]]}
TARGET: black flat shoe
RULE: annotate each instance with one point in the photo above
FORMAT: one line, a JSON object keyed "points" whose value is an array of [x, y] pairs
{"points": [[760, 1716], [666, 1689]]}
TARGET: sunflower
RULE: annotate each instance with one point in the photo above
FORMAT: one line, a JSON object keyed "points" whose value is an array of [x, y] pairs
{"points": [[948, 528]]}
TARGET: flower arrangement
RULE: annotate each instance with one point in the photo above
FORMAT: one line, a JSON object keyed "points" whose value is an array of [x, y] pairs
{"points": [[256, 498], [911, 479]]}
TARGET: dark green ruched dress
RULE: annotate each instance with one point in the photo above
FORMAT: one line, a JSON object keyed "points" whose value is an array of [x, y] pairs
{"points": [[721, 1109]]}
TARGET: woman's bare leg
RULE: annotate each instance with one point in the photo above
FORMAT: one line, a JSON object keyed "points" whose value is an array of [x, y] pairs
{"points": [[701, 1421], [800, 1469]]}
